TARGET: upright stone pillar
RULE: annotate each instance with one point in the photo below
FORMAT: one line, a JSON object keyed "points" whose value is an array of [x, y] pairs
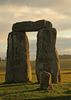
{"points": [[18, 68], [47, 57]]}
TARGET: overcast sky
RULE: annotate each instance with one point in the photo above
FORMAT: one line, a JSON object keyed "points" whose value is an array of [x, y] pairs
{"points": [[56, 11]]}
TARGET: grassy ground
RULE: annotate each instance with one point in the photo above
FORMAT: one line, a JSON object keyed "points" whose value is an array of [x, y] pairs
{"points": [[30, 91], [64, 63]]}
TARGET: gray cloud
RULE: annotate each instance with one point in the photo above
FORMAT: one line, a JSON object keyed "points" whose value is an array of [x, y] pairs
{"points": [[63, 24], [36, 3], [59, 5], [4, 27], [57, 11], [63, 45]]}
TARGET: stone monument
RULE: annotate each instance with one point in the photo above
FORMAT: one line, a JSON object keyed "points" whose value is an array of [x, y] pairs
{"points": [[18, 68]]}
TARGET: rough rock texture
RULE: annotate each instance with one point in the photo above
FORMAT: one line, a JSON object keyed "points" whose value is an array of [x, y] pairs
{"points": [[45, 80], [47, 58], [31, 26], [18, 67]]}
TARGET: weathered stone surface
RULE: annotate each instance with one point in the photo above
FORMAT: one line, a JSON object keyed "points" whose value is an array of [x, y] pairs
{"points": [[47, 58], [45, 80], [18, 67], [31, 26]]}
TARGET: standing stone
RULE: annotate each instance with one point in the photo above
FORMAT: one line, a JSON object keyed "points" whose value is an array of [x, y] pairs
{"points": [[47, 58], [45, 80], [18, 68]]}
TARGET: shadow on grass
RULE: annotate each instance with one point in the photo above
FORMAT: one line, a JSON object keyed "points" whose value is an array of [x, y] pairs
{"points": [[15, 84], [66, 73], [48, 98], [16, 92], [68, 92], [34, 90], [55, 98]]}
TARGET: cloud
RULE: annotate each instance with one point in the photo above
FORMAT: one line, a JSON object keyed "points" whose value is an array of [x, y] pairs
{"points": [[2, 41], [63, 25], [64, 37], [3, 45], [56, 11], [32, 36], [5, 28], [63, 45], [61, 6], [66, 50], [55, 4], [12, 11], [36, 3]]}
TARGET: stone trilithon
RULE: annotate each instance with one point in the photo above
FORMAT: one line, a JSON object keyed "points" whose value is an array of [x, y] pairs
{"points": [[18, 68]]}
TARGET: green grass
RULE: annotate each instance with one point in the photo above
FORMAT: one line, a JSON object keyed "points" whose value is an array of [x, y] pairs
{"points": [[2, 66], [30, 90], [65, 63]]}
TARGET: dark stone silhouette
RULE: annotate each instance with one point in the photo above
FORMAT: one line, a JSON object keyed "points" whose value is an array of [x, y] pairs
{"points": [[47, 58], [18, 68], [31, 26], [45, 80]]}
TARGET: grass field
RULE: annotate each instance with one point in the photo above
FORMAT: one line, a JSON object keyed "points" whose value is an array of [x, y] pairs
{"points": [[64, 63], [30, 91]]}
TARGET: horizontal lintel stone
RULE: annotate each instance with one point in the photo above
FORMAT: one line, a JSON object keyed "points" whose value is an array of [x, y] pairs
{"points": [[29, 26]]}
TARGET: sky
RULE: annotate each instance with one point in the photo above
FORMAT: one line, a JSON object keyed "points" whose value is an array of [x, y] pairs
{"points": [[56, 11]]}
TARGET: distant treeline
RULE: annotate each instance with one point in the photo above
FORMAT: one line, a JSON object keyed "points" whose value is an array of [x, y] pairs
{"points": [[65, 56]]}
